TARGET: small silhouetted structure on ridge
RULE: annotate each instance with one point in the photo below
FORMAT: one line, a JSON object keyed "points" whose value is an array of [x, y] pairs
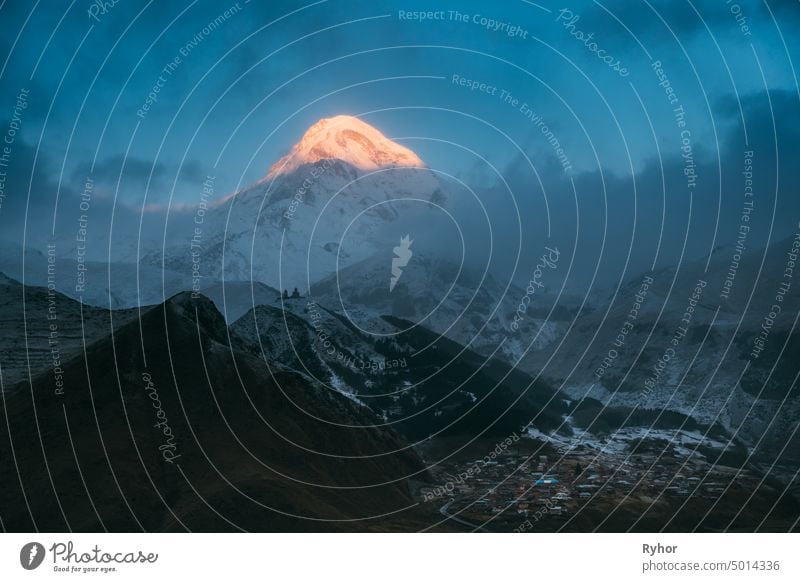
{"points": [[295, 294]]}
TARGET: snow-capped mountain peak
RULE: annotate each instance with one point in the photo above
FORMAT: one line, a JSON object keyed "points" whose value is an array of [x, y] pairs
{"points": [[342, 194], [348, 139]]}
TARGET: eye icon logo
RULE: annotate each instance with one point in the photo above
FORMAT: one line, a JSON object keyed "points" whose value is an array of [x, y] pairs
{"points": [[31, 555]]}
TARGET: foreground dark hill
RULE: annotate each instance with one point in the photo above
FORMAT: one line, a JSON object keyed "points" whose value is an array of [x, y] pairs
{"points": [[187, 433], [41, 327]]}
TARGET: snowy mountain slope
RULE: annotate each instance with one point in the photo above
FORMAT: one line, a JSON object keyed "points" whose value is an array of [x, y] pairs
{"points": [[235, 298], [693, 353], [339, 195], [468, 306], [115, 285]]}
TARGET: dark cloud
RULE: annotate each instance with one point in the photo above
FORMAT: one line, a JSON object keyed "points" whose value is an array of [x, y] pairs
{"points": [[655, 22], [775, 140], [136, 176], [650, 216], [30, 191], [661, 16]]}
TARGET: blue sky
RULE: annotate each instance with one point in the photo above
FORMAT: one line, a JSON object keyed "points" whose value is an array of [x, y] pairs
{"points": [[243, 92]]}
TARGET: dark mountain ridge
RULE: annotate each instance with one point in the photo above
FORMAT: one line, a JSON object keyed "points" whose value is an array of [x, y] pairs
{"points": [[188, 432]]}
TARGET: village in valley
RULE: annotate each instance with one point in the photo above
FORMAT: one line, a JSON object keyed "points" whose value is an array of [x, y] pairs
{"points": [[531, 486]]}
